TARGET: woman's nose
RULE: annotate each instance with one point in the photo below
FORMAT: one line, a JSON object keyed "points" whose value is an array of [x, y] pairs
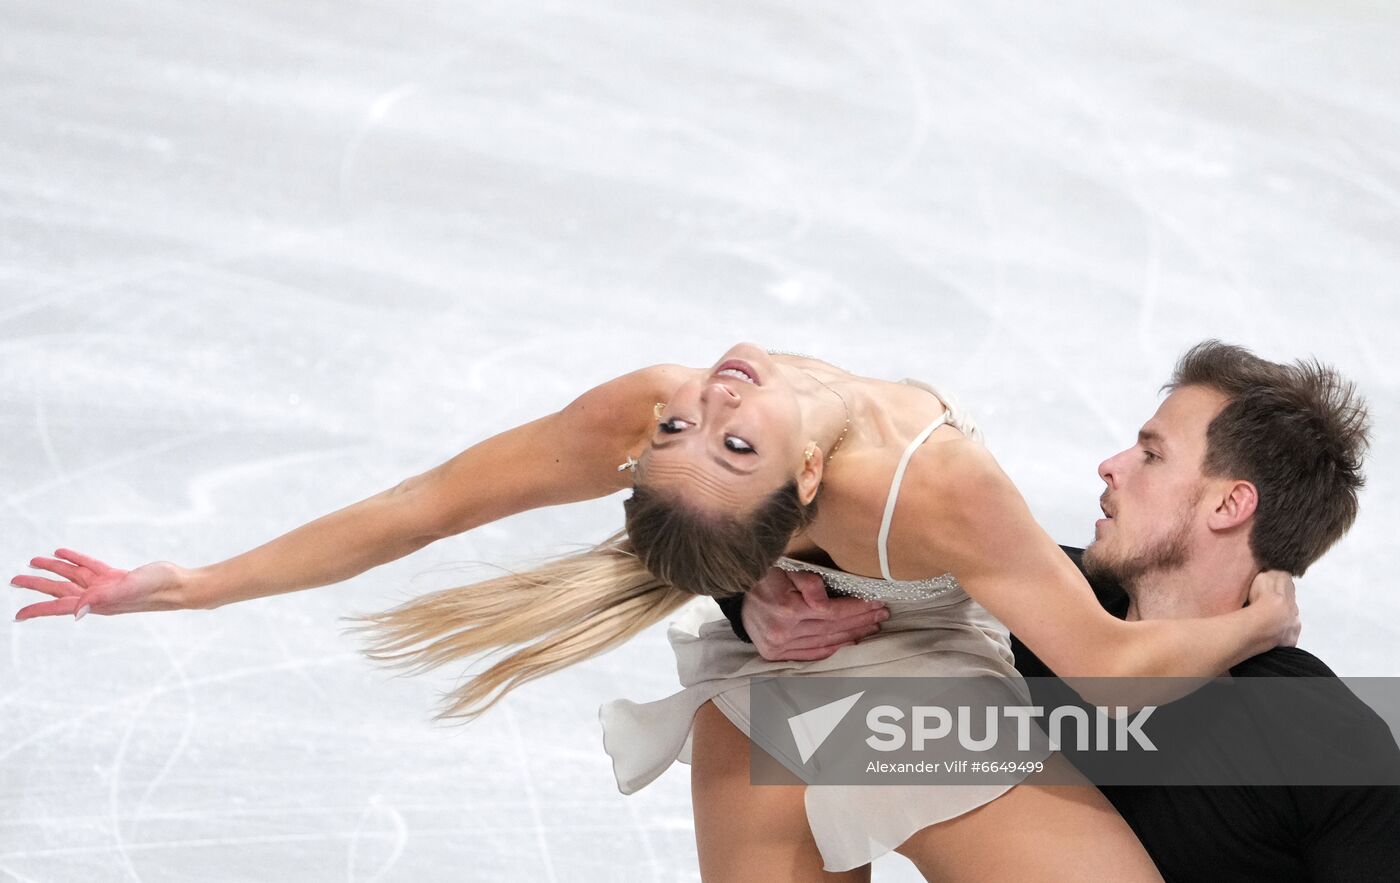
{"points": [[720, 393]]}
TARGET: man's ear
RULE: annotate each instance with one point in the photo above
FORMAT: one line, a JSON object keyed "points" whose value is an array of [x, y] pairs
{"points": [[1238, 506], [810, 478]]}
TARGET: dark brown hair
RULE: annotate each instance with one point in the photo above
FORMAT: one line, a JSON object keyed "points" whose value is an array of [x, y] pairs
{"points": [[1298, 433], [707, 554]]}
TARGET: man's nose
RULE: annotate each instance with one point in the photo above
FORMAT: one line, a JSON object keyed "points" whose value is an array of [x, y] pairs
{"points": [[1108, 469]]}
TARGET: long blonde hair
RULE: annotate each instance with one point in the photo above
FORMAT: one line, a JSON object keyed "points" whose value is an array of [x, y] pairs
{"points": [[565, 611], [577, 606]]}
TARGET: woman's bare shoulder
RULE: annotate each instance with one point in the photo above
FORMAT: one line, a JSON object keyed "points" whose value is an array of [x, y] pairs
{"points": [[616, 416], [954, 482], [963, 512], [632, 393]]}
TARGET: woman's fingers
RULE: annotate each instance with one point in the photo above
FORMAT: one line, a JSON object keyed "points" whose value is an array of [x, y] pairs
{"points": [[61, 607], [82, 560], [62, 568], [47, 586], [1275, 589]]}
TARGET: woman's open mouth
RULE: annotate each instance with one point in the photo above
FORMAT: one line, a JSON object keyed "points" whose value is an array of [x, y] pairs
{"points": [[739, 370]]}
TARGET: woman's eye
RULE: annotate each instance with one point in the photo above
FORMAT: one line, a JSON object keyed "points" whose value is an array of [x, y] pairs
{"points": [[734, 443], [672, 425]]}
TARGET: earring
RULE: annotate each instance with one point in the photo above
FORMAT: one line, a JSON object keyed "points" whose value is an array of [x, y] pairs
{"points": [[630, 464], [811, 451], [656, 411]]}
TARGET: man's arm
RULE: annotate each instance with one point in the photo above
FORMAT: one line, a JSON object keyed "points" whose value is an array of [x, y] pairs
{"points": [[1344, 832], [1352, 833], [1349, 833], [733, 610]]}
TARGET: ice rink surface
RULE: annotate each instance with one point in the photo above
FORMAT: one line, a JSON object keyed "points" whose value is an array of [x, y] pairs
{"points": [[261, 260]]}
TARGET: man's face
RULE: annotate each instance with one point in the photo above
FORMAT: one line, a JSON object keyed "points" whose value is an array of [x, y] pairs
{"points": [[1153, 500]]}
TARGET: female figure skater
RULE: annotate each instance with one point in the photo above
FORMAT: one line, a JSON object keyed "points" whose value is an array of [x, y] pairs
{"points": [[726, 466]]}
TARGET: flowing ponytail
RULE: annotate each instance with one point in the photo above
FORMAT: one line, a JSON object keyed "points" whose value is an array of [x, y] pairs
{"points": [[557, 614], [577, 606]]}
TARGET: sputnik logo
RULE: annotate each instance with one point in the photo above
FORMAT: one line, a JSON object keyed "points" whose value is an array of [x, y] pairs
{"points": [[811, 728]]}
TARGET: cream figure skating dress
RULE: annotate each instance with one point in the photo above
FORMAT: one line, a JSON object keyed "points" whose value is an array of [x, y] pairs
{"points": [[934, 630]]}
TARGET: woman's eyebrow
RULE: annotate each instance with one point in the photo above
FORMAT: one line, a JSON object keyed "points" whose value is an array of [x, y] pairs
{"points": [[731, 467], [656, 446]]}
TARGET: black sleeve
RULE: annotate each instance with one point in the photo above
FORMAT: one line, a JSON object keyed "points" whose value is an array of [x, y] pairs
{"points": [[1351, 833], [1345, 833], [733, 608]]}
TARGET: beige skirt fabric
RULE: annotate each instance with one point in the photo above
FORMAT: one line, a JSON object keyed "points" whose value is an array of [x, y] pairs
{"points": [[947, 636]]}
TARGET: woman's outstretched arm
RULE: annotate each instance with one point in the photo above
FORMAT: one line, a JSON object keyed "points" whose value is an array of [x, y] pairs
{"points": [[563, 457], [967, 516]]}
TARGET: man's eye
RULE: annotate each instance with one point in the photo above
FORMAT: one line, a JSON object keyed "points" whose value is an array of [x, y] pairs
{"points": [[672, 425], [738, 445], [1149, 456]]}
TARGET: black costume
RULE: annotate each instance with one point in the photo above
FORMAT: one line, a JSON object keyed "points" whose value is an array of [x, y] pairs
{"points": [[1263, 833]]}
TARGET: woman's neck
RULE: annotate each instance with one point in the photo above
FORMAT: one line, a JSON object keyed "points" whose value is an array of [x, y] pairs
{"points": [[835, 403]]}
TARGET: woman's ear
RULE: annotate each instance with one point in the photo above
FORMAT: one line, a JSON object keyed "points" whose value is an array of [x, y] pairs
{"points": [[809, 479]]}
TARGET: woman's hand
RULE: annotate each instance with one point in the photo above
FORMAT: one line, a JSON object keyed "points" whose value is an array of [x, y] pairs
{"points": [[88, 585], [1275, 596]]}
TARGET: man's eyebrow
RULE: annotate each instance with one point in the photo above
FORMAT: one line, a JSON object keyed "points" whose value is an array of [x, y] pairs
{"points": [[1152, 436], [656, 446]]}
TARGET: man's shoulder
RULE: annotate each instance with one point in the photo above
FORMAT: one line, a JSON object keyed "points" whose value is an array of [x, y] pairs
{"points": [[1300, 691], [1283, 662]]}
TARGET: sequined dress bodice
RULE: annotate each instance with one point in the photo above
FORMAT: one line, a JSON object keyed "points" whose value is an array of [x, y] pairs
{"points": [[871, 588]]}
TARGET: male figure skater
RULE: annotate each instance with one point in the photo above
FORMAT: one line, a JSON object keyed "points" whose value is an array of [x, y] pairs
{"points": [[1248, 465]]}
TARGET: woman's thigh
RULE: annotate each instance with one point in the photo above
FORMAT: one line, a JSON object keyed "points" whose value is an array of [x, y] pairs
{"points": [[1034, 832], [744, 831]]}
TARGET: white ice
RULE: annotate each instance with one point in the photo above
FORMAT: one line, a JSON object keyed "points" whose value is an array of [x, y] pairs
{"points": [[260, 260]]}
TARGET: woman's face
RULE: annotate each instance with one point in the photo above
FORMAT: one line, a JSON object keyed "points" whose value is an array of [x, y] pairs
{"points": [[730, 437]]}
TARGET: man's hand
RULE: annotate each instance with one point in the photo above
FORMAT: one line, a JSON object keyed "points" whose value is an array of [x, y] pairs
{"points": [[790, 618]]}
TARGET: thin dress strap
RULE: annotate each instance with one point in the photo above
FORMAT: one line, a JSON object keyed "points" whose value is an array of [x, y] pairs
{"points": [[894, 491]]}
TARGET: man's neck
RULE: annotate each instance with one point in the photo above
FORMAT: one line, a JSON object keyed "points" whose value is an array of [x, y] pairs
{"points": [[1207, 585]]}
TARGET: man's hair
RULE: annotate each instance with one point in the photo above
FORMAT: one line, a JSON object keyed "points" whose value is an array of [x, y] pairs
{"points": [[1298, 433]]}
